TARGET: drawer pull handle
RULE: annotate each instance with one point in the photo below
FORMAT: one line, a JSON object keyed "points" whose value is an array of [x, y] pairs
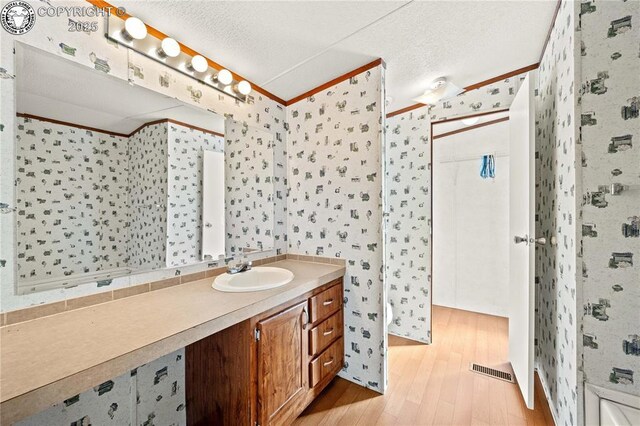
{"points": [[326, 333], [327, 302], [328, 363], [306, 318]]}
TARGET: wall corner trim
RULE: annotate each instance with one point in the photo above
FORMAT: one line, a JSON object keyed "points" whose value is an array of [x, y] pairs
{"points": [[553, 22], [336, 80], [475, 86], [405, 109]]}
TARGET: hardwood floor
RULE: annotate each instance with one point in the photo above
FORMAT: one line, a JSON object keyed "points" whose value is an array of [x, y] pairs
{"points": [[432, 384]]}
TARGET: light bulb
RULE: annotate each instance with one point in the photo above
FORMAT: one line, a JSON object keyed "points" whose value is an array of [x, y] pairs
{"points": [[244, 87], [134, 28], [199, 63], [223, 77], [470, 121], [169, 47]]}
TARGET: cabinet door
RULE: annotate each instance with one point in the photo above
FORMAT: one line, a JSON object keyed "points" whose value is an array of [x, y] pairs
{"points": [[282, 373]]}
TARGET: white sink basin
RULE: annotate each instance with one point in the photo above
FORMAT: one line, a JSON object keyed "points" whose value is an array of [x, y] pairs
{"points": [[256, 279]]}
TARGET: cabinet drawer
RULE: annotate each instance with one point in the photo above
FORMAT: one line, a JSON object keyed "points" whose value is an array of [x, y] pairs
{"points": [[324, 304], [329, 362], [324, 333]]}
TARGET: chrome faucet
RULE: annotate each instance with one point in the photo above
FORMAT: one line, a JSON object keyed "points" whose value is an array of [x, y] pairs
{"points": [[239, 267]]}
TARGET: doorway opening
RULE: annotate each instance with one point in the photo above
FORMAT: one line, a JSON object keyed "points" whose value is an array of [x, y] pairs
{"points": [[470, 184]]}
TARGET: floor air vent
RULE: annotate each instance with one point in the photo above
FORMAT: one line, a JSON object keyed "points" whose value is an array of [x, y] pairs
{"points": [[491, 372]]}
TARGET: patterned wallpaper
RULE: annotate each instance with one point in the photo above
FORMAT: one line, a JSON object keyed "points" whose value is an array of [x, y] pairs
{"points": [[557, 268], [92, 50], [71, 187], [259, 113], [408, 188], [148, 168], [152, 394], [147, 242], [248, 159], [319, 150], [114, 207], [184, 204], [494, 96], [610, 92], [408, 255], [335, 146]]}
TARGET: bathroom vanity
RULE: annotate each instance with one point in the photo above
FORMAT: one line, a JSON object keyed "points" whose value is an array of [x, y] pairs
{"points": [[254, 357], [267, 369], [126, 206]]}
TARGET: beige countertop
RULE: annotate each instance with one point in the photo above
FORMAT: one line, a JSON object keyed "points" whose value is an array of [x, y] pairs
{"points": [[49, 359]]}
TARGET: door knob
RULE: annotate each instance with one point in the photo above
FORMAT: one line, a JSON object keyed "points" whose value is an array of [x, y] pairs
{"points": [[539, 241], [208, 225], [519, 240]]}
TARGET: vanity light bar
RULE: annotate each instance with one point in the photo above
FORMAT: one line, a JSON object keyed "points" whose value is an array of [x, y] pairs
{"points": [[132, 33]]}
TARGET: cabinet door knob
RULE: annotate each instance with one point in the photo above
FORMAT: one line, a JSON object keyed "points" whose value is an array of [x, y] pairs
{"points": [[326, 333], [326, 364], [327, 302]]}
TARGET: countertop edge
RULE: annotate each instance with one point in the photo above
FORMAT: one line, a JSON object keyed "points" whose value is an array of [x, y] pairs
{"points": [[31, 402]]}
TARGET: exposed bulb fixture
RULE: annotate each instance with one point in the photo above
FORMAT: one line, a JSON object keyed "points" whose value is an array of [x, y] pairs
{"points": [[440, 89], [132, 33], [198, 63], [470, 121], [223, 77], [134, 28], [169, 48], [244, 87]]}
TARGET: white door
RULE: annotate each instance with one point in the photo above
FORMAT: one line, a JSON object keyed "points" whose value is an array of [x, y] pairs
{"points": [[212, 205], [521, 231]]}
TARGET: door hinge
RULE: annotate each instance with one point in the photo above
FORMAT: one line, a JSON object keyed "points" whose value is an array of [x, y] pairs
{"points": [[256, 334]]}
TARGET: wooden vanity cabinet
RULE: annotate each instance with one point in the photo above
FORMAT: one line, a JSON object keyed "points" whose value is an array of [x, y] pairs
{"points": [[267, 369], [282, 381]]}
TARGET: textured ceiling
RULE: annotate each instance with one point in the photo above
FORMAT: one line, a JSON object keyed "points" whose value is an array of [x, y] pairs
{"points": [[291, 47]]}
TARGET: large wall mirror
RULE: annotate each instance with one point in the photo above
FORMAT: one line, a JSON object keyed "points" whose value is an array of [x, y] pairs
{"points": [[114, 179]]}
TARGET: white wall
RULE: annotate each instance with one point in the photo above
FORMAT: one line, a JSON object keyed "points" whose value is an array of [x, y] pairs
{"points": [[471, 221]]}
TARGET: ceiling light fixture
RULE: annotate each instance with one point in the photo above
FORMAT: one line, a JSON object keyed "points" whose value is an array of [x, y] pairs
{"points": [[439, 90], [134, 28], [470, 121], [244, 87], [223, 77], [198, 63], [135, 35], [168, 48]]}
